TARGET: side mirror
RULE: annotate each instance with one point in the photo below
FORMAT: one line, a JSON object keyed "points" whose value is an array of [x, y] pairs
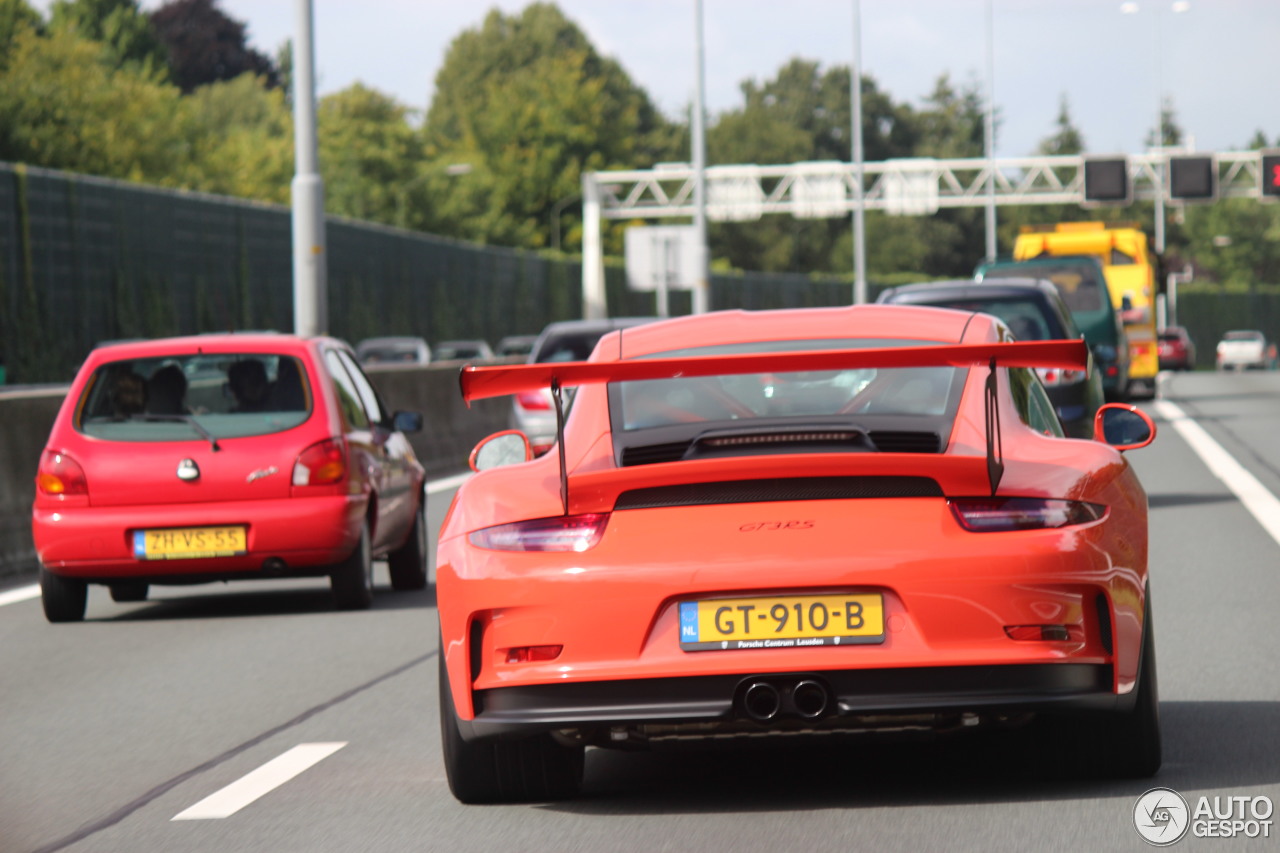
{"points": [[1122, 426], [509, 447], [407, 421]]}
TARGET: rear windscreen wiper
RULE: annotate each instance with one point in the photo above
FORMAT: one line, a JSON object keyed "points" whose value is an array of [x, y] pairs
{"points": [[185, 419]]}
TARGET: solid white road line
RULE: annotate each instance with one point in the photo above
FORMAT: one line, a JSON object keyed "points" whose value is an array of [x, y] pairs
{"points": [[265, 779], [22, 593], [1256, 498]]}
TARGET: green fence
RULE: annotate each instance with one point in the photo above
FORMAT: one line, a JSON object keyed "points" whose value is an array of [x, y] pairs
{"points": [[83, 260]]}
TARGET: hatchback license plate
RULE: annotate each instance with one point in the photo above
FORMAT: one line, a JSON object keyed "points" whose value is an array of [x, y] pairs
{"points": [[187, 543], [780, 622]]}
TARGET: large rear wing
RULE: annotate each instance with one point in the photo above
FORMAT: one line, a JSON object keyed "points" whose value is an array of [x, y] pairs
{"points": [[479, 383]]}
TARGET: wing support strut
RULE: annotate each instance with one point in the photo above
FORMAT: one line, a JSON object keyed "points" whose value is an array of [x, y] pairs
{"points": [[995, 448], [557, 394]]}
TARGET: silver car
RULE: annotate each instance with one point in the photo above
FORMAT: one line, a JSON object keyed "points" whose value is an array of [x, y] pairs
{"points": [[532, 412]]}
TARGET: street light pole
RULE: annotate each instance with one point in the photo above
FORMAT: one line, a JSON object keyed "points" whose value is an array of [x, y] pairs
{"points": [[701, 297], [859, 211], [1132, 8], [310, 295]]}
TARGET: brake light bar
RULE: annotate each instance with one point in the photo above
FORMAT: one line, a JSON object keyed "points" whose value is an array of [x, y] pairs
{"points": [[561, 533]]}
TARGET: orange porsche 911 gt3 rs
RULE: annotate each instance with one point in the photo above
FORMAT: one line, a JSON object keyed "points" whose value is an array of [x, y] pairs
{"points": [[782, 522]]}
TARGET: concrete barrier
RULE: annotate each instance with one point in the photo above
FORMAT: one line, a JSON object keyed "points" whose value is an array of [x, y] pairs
{"points": [[450, 430]]}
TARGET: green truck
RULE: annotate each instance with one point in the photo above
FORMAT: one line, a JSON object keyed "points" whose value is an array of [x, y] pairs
{"points": [[1080, 280]]}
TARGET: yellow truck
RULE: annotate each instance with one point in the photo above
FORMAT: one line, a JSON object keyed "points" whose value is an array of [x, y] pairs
{"points": [[1130, 270]]}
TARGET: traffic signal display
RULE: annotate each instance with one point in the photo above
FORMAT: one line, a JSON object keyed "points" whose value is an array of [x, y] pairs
{"points": [[1193, 178], [1106, 181], [1271, 173]]}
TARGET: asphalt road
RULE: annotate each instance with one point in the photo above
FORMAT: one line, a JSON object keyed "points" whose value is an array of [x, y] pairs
{"points": [[114, 727]]}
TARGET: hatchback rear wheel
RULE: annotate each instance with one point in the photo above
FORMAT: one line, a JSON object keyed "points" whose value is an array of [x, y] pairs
{"points": [[64, 599], [352, 579], [408, 564]]}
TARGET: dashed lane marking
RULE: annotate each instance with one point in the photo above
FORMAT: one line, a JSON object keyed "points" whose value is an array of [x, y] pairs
{"points": [[260, 782]]}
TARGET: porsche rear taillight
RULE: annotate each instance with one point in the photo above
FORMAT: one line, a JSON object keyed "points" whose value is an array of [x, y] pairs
{"points": [[60, 476], [534, 400], [995, 515], [322, 464], [562, 533]]}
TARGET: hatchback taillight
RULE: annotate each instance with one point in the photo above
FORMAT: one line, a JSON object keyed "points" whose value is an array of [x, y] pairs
{"points": [[322, 464], [993, 515], [562, 533], [60, 476]]}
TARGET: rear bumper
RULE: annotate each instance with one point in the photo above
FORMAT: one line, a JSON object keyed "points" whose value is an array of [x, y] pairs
{"points": [[854, 694], [298, 536]]}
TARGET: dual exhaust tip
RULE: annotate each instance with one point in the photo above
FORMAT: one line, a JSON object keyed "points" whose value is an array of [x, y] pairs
{"points": [[766, 701]]}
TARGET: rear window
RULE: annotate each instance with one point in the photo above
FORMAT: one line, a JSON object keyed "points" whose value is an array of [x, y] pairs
{"points": [[928, 391], [185, 397], [1080, 287], [1024, 317]]}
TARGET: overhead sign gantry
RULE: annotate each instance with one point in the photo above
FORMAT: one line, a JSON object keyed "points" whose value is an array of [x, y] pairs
{"points": [[907, 187]]}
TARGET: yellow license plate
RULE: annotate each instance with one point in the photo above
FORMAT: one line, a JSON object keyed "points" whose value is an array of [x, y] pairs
{"points": [[779, 622], [187, 543]]}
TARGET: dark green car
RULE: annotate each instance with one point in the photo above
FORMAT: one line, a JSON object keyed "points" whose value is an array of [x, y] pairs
{"points": [[1080, 281]]}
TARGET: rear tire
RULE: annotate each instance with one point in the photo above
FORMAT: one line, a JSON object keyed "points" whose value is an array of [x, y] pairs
{"points": [[535, 768], [123, 593], [1118, 745], [64, 599], [1128, 746], [352, 579], [408, 564]]}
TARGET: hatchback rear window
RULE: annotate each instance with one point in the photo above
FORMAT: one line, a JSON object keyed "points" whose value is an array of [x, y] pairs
{"points": [[185, 397]]}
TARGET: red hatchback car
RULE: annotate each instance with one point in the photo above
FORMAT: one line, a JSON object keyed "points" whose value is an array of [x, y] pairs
{"points": [[226, 457]]}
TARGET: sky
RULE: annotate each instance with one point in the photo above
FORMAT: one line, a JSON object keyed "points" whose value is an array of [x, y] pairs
{"points": [[1218, 59]]}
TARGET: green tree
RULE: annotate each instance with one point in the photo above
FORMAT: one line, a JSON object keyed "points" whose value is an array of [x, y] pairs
{"points": [[68, 105], [952, 122], [368, 153], [803, 114], [1066, 138], [241, 140], [1250, 255], [530, 104], [15, 16], [120, 25], [1169, 134]]}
